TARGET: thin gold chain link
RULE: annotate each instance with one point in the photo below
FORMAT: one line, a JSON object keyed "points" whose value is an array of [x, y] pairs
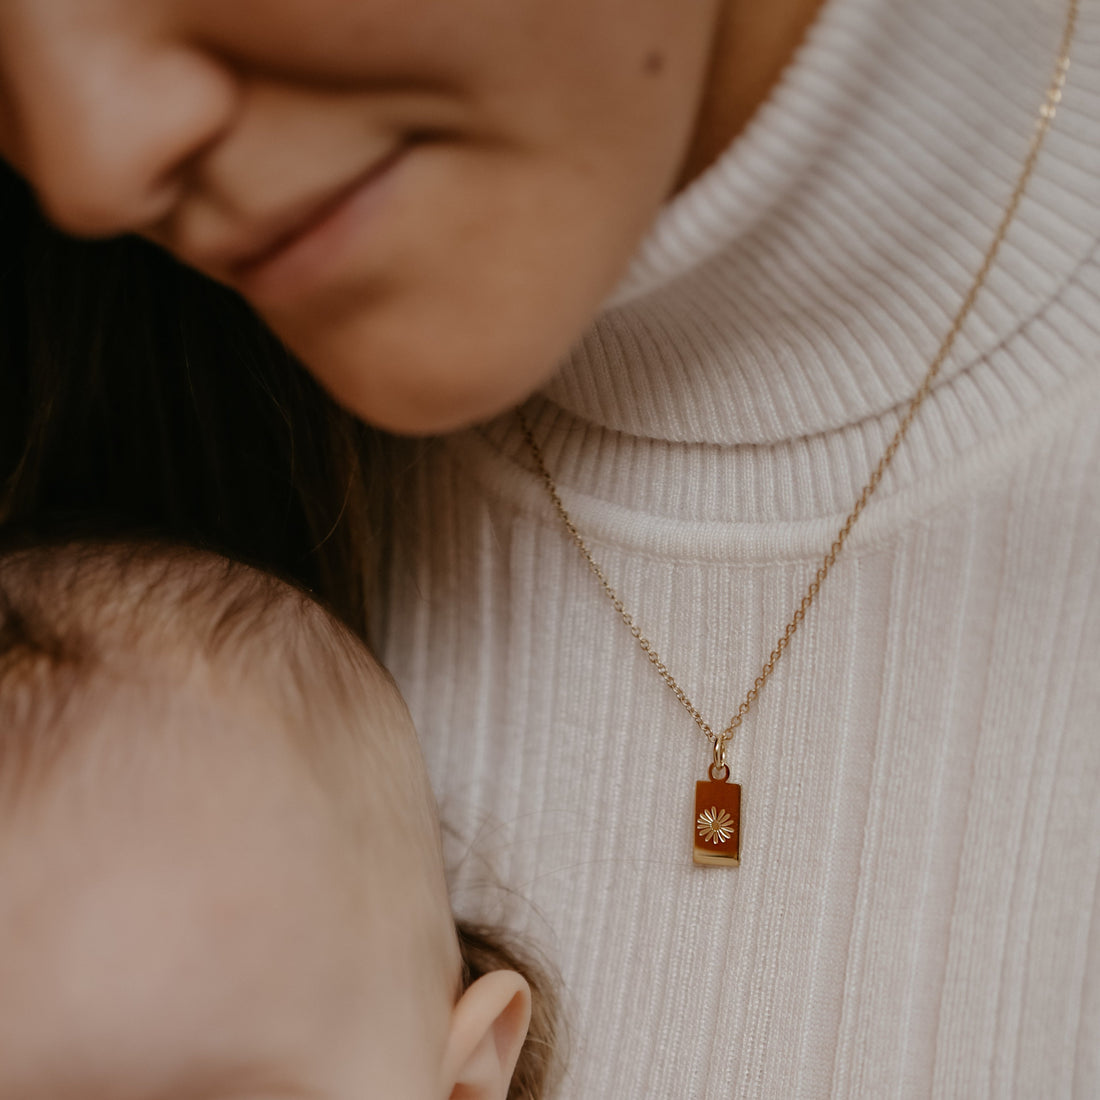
{"points": [[719, 741]]}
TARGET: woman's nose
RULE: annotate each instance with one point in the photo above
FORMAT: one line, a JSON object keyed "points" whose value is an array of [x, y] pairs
{"points": [[107, 126]]}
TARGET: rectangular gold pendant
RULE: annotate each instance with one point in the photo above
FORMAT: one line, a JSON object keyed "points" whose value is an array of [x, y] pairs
{"points": [[717, 823]]}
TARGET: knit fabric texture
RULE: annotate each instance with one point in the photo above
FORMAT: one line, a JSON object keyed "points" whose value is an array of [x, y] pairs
{"points": [[915, 913]]}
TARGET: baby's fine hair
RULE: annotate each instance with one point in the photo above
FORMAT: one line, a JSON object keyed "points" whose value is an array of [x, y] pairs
{"points": [[82, 621]]}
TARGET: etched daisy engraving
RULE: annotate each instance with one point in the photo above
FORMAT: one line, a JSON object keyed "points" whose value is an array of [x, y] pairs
{"points": [[715, 825]]}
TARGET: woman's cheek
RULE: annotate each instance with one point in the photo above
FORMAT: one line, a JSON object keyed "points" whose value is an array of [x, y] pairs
{"points": [[487, 272]]}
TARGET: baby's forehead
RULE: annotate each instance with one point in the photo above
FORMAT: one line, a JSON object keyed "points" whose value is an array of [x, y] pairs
{"points": [[207, 786], [146, 661], [192, 798], [154, 757], [179, 903]]}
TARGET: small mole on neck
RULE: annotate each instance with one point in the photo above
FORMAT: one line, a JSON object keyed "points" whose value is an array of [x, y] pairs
{"points": [[654, 63]]}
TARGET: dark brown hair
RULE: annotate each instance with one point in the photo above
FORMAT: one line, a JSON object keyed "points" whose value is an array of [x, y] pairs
{"points": [[137, 396]]}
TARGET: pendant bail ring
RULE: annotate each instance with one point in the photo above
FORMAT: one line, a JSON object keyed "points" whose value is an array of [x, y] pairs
{"points": [[719, 770]]}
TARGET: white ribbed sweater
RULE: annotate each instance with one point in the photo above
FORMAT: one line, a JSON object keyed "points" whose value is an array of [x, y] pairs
{"points": [[916, 910]]}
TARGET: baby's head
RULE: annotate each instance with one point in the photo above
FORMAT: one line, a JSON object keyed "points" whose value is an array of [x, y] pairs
{"points": [[220, 869]]}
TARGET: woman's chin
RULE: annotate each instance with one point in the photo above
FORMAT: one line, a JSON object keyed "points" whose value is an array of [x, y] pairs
{"points": [[422, 391]]}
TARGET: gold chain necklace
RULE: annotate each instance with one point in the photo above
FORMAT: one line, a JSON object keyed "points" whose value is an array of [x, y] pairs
{"points": [[717, 821]]}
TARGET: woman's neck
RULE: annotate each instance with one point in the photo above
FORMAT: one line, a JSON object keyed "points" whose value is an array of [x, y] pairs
{"points": [[752, 44]]}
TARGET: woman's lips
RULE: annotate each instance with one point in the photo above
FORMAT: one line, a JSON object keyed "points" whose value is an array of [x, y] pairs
{"points": [[297, 260]]}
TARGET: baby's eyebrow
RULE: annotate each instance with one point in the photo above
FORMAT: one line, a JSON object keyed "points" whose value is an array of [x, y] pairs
{"points": [[228, 1082], [234, 1082]]}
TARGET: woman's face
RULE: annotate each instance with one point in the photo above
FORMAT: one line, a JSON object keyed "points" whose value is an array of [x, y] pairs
{"points": [[426, 199]]}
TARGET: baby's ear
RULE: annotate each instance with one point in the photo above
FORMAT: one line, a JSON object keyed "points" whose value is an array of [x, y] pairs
{"points": [[488, 1026]]}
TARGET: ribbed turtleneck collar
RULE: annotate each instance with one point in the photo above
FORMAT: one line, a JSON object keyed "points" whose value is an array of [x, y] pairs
{"points": [[805, 281]]}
